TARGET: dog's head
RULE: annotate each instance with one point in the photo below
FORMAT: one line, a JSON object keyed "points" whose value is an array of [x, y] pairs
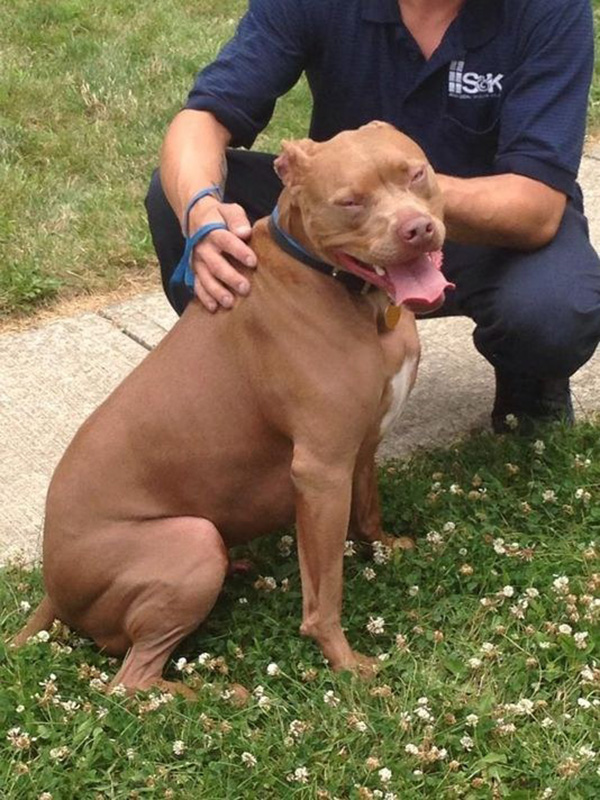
{"points": [[369, 203]]}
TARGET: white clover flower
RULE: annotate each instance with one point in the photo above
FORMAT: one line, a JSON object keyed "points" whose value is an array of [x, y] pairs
{"points": [[498, 545], [385, 775], [24, 606], [412, 749], [561, 585], [297, 728], [59, 753], [435, 539], [565, 629], [413, 591], [369, 574], [285, 545], [243, 601], [360, 726], [472, 720], [489, 649], [376, 626], [381, 553], [265, 583], [263, 702], [507, 591], [330, 699], [587, 752], [532, 593], [467, 743], [474, 663], [424, 713], [42, 636], [580, 640], [204, 658], [20, 739], [538, 447], [547, 722], [584, 703], [273, 669], [178, 747], [512, 422], [349, 549], [449, 527], [299, 775], [455, 489], [549, 496], [248, 760]]}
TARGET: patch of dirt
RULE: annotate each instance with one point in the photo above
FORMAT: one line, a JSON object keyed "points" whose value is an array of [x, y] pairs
{"points": [[80, 304]]}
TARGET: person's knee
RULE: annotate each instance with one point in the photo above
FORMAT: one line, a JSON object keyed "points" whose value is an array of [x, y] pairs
{"points": [[547, 336]]}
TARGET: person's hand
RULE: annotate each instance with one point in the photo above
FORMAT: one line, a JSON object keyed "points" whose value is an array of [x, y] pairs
{"points": [[215, 277]]}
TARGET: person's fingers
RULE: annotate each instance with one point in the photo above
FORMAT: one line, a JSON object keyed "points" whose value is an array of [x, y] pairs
{"points": [[205, 298], [214, 288], [228, 243], [221, 269], [236, 219]]}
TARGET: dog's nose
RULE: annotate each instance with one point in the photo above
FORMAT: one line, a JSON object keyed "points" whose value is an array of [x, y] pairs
{"points": [[417, 230]]}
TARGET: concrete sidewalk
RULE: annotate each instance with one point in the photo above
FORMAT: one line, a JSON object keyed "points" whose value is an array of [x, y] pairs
{"points": [[52, 378]]}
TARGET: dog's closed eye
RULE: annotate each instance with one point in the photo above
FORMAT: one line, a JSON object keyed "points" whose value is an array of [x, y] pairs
{"points": [[350, 202]]}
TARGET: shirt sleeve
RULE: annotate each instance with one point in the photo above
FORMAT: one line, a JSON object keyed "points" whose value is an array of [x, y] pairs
{"points": [[264, 60], [543, 117]]}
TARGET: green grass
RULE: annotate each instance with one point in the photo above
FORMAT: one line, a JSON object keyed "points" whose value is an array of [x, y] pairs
{"points": [[494, 519], [87, 92]]}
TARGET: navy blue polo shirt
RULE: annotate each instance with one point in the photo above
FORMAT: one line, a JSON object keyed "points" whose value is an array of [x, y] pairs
{"points": [[506, 90]]}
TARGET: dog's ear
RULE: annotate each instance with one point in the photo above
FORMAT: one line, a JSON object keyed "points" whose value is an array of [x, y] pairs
{"points": [[293, 159]]}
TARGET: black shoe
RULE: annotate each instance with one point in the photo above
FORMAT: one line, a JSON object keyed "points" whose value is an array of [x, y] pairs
{"points": [[522, 401]]}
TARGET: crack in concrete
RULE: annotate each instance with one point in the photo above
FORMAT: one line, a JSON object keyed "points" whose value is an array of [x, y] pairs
{"points": [[129, 334]]}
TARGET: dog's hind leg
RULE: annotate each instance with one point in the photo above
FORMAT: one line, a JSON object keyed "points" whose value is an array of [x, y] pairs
{"points": [[168, 577]]}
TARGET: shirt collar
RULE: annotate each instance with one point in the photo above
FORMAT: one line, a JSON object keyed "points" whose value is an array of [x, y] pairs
{"points": [[479, 20]]}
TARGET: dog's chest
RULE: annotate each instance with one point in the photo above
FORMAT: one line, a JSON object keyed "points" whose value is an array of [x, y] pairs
{"points": [[398, 391]]}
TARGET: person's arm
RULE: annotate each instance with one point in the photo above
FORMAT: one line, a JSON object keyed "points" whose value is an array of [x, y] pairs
{"points": [[193, 158], [540, 137], [502, 210], [231, 101]]}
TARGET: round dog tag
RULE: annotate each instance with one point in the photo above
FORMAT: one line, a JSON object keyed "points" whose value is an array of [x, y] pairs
{"points": [[392, 316]]}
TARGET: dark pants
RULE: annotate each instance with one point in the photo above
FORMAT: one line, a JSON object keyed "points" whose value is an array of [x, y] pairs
{"points": [[536, 313]]}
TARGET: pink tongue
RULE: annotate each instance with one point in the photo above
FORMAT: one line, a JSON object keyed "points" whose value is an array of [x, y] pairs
{"points": [[419, 284]]}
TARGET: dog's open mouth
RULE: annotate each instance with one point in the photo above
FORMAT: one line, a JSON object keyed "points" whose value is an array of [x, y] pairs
{"points": [[419, 284]]}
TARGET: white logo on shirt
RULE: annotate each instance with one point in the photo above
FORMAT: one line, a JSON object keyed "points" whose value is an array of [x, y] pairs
{"points": [[468, 84]]}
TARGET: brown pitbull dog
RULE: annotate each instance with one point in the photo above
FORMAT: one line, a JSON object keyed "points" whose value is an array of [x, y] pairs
{"points": [[239, 423]]}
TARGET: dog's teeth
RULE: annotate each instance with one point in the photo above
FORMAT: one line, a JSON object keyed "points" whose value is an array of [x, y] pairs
{"points": [[379, 270]]}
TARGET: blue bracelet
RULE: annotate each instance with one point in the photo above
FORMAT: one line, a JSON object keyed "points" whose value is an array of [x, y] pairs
{"points": [[183, 276]]}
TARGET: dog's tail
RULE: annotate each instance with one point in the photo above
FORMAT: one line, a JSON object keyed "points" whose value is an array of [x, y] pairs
{"points": [[41, 619]]}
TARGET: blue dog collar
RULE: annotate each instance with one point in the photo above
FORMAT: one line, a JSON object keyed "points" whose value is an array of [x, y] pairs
{"points": [[294, 249]]}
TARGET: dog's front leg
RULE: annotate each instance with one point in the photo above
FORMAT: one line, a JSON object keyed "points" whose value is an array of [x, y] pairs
{"points": [[365, 517], [323, 497]]}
